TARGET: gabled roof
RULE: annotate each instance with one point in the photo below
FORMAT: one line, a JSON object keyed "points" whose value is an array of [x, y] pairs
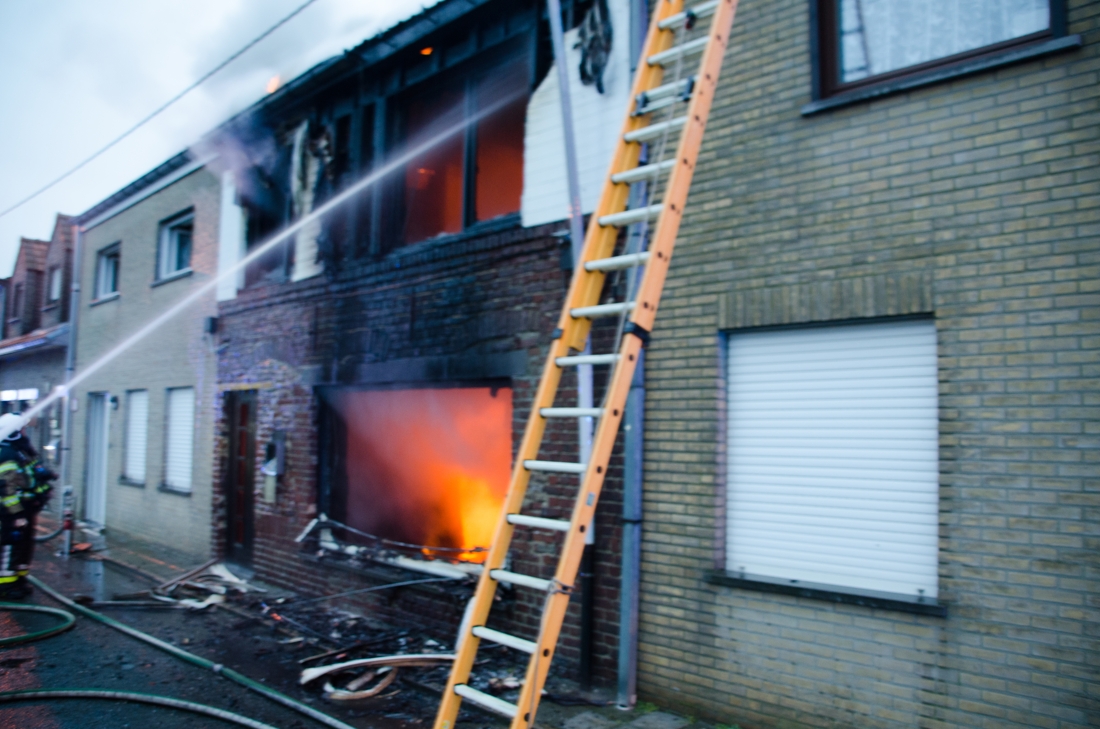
{"points": [[33, 254]]}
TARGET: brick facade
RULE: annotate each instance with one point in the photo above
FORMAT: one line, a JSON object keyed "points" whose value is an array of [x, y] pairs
{"points": [[973, 201], [445, 311]]}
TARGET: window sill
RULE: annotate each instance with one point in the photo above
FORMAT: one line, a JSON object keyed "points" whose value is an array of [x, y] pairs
{"points": [[50, 306], [829, 593], [944, 73], [123, 481], [169, 279], [166, 489], [104, 299]]}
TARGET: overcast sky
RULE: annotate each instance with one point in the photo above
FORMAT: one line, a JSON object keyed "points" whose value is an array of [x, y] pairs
{"points": [[78, 74]]}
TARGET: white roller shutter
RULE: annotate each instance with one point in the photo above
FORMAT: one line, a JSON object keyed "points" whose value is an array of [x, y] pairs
{"points": [[137, 434], [179, 450], [833, 456]]}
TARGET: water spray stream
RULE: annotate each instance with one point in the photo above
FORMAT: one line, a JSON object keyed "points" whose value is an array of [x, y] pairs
{"points": [[389, 167]]}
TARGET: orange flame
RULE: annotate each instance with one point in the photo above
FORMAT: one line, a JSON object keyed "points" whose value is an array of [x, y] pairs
{"points": [[428, 466]]}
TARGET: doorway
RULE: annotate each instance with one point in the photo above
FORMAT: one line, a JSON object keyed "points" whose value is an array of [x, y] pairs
{"points": [[240, 475], [95, 483]]}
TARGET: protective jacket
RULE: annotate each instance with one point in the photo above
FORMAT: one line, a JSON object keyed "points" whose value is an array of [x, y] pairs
{"points": [[24, 480]]}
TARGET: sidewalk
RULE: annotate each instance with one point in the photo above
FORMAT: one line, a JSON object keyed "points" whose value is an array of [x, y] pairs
{"points": [[241, 636]]}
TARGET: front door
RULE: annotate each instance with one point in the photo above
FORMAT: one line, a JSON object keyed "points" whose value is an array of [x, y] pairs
{"points": [[95, 482], [241, 474]]}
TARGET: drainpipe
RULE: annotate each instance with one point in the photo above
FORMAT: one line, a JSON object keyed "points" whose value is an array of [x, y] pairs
{"points": [[633, 455], [584, 372], [67, 498]]}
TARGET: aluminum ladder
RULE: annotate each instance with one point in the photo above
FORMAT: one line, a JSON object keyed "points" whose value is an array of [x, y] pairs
{"points": [[662, 111]]}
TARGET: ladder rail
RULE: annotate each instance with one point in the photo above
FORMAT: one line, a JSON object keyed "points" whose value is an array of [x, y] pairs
{"points": [[584, 290]]}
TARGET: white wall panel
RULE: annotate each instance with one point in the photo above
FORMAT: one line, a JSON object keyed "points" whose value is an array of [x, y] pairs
{"points": [[137, 434], [833, 456], [180, 434]]}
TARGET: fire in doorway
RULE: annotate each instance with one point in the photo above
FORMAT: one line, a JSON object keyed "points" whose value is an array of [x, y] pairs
{"points": [[424, 466]]}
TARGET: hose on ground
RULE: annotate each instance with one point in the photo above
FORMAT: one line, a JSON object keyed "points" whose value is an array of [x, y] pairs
{"points": [[67, 621], [41, 694], [194, 660]]}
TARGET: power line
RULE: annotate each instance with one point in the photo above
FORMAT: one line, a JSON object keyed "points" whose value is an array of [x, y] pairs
{"points": [[160, 108]]}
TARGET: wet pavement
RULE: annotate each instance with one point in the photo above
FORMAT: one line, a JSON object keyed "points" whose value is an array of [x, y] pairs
{"points": [[241, 636]]}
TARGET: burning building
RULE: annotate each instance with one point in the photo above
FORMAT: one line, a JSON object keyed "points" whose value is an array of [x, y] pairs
{"points": [[377, 365]]}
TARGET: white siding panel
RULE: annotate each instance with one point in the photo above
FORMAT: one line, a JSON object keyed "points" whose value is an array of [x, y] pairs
{"points": [[833, 456], [179, 449], [137, 434], [597, 122]]}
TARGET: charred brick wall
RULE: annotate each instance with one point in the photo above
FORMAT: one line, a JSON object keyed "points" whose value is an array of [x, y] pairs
{"points": [[457, 307]]}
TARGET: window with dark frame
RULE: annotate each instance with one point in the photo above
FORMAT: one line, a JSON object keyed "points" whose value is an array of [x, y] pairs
{"points": [[107, 265], [53, 294], [866, 43], [17, 302], [174, 248], [476, 172]]}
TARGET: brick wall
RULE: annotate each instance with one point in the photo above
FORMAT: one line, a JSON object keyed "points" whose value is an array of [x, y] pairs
{"points": [[974, 200], [436, 307]]}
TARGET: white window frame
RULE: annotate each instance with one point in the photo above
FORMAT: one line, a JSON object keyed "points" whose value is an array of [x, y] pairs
{"points": [[108, 269], [179, 440], [832, 459], [169, 245], [54, 291], [135, 463]]}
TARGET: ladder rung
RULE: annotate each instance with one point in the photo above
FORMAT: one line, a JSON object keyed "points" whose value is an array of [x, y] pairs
{"points": [[592, 312], [640, 173], [570, 412], [664, 103], [673, 88], [583, 359], [520, 644], [554, 466], [702, 10], [538, 522], [653, 131], [629, 217], [617, 263], [485, 701], [685, 49], [535, 583]]}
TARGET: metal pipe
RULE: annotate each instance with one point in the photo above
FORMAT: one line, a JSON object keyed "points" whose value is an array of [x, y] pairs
{"points": [[68, 498], [633, 462]]}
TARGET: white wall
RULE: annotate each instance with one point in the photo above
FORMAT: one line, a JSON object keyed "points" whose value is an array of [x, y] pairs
{"points": [[597, 121]]}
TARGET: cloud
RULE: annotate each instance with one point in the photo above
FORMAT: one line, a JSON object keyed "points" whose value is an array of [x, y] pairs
{"points": [[81, 73]]}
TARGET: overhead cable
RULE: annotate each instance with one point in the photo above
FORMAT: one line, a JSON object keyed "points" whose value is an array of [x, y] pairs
{"points": [[159, 109]]}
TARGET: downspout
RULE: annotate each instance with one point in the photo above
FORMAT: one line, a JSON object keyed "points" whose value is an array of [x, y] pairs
{"points": [[67, 402], [584, 372], [633, 462]]}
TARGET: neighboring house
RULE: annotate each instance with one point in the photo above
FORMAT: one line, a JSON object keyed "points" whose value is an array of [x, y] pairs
{"points": [[871, 444], [142, 431], [36, 332]]}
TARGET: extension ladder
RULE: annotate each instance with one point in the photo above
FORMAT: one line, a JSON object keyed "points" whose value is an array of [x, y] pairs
{"points": [[675, 35]]}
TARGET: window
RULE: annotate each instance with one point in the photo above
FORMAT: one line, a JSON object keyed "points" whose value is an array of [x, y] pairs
{"points": [[866, 42], [106, 271], [54, 292], [832, 460], [476, 173], [17, 302], [174, 252], [421, 466], [137, 435], [179, 435]]}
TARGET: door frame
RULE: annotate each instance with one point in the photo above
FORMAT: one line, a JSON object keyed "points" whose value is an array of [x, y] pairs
{"points": [[236, 497], [95, 500]]}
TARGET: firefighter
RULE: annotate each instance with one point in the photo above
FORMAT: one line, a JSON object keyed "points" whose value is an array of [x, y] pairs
{"points": [[24, 490]]}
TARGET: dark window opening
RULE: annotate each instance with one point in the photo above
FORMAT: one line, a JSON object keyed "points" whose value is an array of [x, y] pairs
{"points": [[473, 170], [869, 42], [364, 199], [264, 201], [420, 466], [17, 302]]}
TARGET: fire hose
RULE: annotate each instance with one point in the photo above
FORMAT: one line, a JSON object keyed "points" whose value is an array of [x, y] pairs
{"points": [[191, 658], [155, 700], [67, 621]]}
